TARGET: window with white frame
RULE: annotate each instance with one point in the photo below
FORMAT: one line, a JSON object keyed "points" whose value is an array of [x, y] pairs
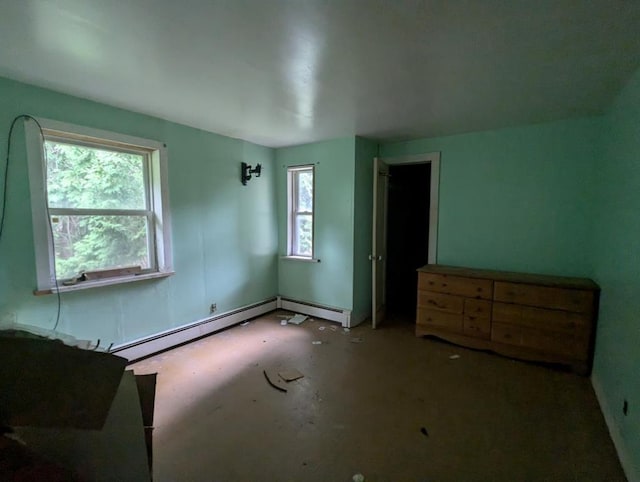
{"points": [[300, 182], [99, 204]]}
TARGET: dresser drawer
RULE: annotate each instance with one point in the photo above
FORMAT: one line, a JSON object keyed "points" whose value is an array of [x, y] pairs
{"points": [[552, 320], [477, 327], [440, 320], [507, 313], [440, 302], [571, 345], [456, 285], [566, 344], [477, 308], [505, 333], [578, 301]]}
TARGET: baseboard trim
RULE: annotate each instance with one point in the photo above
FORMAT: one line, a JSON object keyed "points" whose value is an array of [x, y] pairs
{"points": [[328, 313], [144, 347], [358, 318], [623, 454]]}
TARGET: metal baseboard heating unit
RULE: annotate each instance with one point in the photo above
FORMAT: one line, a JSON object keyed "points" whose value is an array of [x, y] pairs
{"points": [[168, 339], [334, 314]]}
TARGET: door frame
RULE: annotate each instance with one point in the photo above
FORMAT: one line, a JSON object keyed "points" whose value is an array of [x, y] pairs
{"points": [[378, 254], [432, 158]]}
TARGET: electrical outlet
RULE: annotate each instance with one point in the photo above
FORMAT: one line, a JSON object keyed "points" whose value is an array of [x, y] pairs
{"points": [[625, 407], [213, 308]]}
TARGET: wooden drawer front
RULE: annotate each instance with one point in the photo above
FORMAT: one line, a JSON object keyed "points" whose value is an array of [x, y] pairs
{"points": [[579, 301], [477, 308], [507, 313], [554, 320], [538, 318], [440, 302], [477, 327], [566, 344], [440, 320], [456, 285], [505, 333], [572, 345]]}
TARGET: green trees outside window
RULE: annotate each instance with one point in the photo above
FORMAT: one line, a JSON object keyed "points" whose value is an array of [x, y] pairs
{"points": [[99, 206]]}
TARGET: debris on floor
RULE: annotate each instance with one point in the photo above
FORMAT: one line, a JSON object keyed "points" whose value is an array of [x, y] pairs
{"points": [[333, 327], [297, 319], [316, 342], [424, 432], [356, 340], [346, 330], [283, 316], [279, 379], [290, 374], [245, 323], [358, 478], [274, 380], [322, 328], [454, 357], [283, 322]]}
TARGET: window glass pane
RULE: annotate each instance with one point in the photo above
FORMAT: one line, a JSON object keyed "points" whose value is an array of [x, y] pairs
{"points": [[305, 191], [90, 243], [92, 178], [304, 235]]}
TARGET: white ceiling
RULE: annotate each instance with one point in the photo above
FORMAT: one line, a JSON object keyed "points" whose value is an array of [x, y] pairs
{"points": [[283, 72]]}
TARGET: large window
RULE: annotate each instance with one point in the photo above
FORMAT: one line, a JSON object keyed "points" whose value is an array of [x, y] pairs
{"points": [[300, 208], [99, 206]]}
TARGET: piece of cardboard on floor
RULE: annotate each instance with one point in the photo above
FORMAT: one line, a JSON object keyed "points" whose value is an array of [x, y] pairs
{"points": [[290, 374], [274, 380]]}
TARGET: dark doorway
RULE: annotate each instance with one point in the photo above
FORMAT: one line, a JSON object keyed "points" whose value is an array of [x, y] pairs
{"points": [[407, 236]]}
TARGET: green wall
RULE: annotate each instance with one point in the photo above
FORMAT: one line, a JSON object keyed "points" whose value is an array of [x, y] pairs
{"points": [[329, 282], [515, 199], [366, 150], [558, 198], [224, 234], [617, 270]]}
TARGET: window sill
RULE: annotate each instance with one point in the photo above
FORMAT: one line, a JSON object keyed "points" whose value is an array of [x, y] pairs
{"points": [[84, 285], [301, 258]]}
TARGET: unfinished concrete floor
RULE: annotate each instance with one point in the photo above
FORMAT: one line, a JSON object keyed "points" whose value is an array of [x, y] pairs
{"points": [[360, 408]]}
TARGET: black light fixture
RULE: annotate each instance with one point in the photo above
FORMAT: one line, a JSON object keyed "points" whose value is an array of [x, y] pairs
{"points": [[246, 172]]}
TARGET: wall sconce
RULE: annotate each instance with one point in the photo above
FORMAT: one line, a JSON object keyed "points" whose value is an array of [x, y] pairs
{"points": [[246, 172]]}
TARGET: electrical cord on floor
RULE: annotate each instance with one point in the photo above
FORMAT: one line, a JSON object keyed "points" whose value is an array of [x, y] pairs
{"points": [[4, 199]]}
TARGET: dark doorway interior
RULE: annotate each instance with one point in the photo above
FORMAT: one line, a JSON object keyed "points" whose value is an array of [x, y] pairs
{"points": [[407, 236]]}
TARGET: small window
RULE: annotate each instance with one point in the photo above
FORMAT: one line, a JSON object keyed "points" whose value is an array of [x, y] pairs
{"points": [[99, 206], [300, 208]]}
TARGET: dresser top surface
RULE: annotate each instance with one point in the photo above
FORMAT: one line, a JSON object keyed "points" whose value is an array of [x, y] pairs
{"points": [[511, 277]]}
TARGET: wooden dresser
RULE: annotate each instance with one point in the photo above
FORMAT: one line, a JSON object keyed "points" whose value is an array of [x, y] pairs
{"points": [[531, 317]]}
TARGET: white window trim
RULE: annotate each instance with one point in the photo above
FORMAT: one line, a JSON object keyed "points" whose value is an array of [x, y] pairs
{"points": [[158, 193], [291, 214]]}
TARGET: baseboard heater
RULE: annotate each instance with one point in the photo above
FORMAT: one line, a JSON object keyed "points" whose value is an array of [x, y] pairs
{"points": [[144, 347], [328, 313]]}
